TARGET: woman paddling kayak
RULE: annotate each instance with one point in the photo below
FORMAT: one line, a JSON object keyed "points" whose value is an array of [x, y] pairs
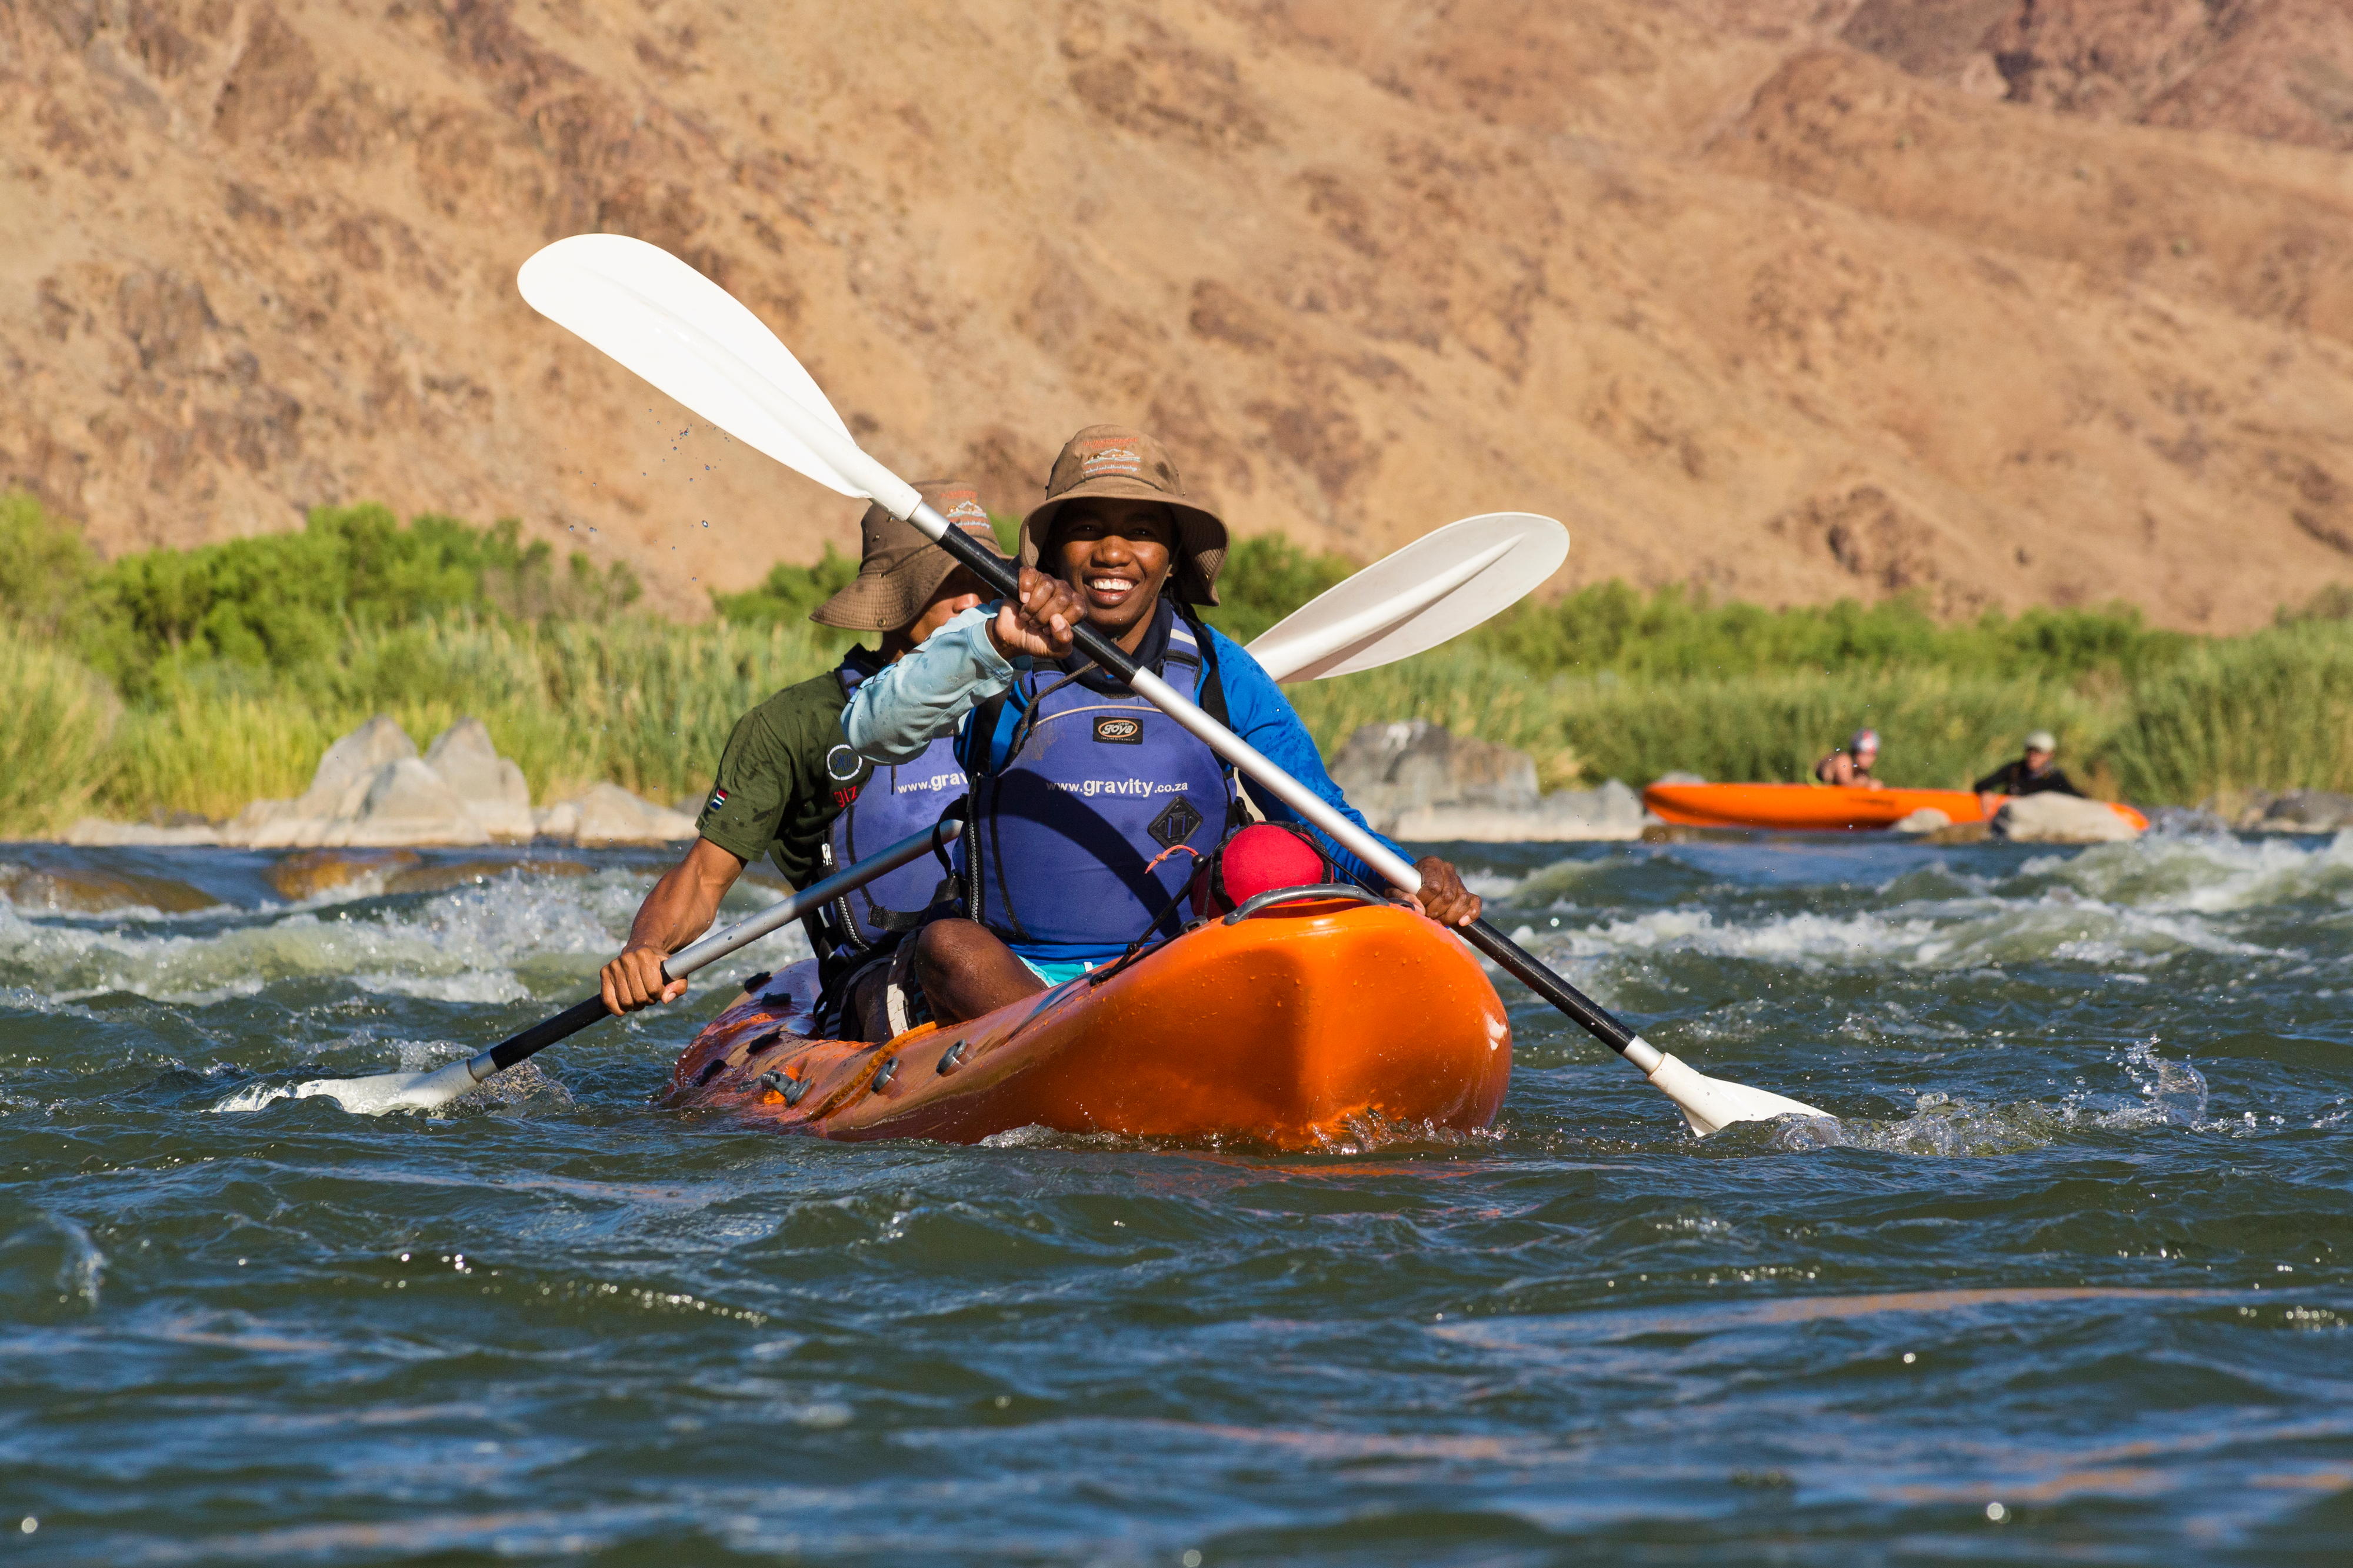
{"points": [[1090, 810]]}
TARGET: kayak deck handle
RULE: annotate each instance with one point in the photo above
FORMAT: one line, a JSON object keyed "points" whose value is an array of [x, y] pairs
{"points": [[1315, 892]]}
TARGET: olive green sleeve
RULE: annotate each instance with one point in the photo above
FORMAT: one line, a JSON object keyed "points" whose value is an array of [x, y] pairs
{"points": [[759, 775]]}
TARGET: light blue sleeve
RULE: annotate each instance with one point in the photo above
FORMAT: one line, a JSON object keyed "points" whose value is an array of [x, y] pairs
{"points": [[904, 707], [1260, 714]]}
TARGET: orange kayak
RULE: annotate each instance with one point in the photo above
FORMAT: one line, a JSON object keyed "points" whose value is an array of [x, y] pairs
{"points": [[1816, 806], [1295, 1028]]}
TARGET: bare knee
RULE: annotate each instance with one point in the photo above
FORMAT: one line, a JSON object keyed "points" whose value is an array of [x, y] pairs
{"points": [[967, 971]]}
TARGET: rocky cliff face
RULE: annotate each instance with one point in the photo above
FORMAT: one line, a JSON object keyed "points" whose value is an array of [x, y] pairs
{"points": [[1777, 296]]}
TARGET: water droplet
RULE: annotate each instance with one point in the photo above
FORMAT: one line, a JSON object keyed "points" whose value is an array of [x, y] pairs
{"points": [[1996, 1512]]}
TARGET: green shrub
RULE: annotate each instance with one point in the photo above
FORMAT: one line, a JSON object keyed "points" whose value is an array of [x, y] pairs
{"points": [[61, 719], [1266, 577], [283, 600], [45, 567], [790, 593]]}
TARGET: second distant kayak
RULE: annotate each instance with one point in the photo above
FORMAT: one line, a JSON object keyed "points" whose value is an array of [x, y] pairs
{"points": [[1814, 807]]}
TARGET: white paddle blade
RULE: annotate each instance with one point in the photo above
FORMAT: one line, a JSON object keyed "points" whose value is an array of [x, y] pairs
{"points": [[1440, 587], [387, 1091], [1710, 1105], [699, 343]]}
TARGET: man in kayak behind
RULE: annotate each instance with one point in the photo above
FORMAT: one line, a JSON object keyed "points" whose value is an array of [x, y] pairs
{"points": [[1852, 766], [789, 789], [1091, 809], [2036, 773]]}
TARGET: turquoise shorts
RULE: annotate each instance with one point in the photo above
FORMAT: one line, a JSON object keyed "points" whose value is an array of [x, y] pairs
{"points": [[1054, 972]]}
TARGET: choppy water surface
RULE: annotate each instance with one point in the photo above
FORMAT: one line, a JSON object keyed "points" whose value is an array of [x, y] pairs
{"points": [[2068, 1281]]}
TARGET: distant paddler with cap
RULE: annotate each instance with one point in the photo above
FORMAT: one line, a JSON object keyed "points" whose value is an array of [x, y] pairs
{"points": [[1091, 810], [790, 789], [2035, 773], [1852, 765]]}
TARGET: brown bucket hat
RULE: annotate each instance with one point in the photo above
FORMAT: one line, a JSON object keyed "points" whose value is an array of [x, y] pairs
{"points": [[898, 569], [1116, 460]]}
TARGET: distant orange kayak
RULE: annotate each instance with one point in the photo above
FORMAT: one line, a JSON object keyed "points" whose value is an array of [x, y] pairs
{"points": [[1291, 1029], [1817, 807]]}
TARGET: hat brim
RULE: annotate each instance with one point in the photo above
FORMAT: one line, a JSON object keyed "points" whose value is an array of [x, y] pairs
{"points": [[1201, 536], [887, 601]]}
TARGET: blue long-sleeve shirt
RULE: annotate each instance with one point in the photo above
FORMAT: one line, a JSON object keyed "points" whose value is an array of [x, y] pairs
{"points": [[932, 690]]}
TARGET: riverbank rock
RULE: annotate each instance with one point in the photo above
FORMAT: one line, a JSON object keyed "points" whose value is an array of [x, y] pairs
{"points": [[370, 789], [1927, 819], [1387, 770], [610, 814], [2298, 811], [1417, 780], [490, 788], [2059, 819]]}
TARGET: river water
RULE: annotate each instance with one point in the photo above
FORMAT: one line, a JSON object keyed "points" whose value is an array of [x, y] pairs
{"points": [[2070, 1279]]}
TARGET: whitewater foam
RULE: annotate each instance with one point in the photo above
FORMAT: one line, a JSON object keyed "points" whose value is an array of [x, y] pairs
{"points": [[499, 942]]}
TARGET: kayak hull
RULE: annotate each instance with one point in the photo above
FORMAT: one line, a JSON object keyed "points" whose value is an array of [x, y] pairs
{"points": [[1296, 1028], [1816, 807]]}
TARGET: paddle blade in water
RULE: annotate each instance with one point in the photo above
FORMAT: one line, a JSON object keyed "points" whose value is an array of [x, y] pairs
{"points": [[387, 1091], [1440, 587], [1710, 1104], [700, 344]]}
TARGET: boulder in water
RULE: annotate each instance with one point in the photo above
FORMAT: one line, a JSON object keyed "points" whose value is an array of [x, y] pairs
{"points": [[2053, 818], [311, 872], [89, 891], [1927, 819]]}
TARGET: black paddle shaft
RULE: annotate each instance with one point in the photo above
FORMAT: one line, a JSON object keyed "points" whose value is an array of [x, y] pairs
{"points": [[1515, 959], [547, 1031]]}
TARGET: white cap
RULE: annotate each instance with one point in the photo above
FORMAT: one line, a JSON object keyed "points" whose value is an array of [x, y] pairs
{"points": [[2042, 741]]}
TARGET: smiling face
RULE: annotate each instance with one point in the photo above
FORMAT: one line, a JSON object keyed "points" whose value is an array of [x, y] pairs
{"points": [[1117, 554]]}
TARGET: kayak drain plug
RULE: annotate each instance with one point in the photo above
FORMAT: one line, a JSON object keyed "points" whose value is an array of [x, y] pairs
{"points": [[953, 1057], [887, 1071]]}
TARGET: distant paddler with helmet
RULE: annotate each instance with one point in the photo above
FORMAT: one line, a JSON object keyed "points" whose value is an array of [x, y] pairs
{"points": [[1090, 810], [1851, 765], [788, 786], [2037, 772]]}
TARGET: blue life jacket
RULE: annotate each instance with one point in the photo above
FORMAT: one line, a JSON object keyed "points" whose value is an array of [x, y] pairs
{"points": [[1092, 811], [897, 799]]}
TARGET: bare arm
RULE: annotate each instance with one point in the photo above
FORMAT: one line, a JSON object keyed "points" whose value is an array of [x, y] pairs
{"points": [[680, 909]]}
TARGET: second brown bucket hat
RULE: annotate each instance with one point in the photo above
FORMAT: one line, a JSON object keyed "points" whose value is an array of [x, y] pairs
{"points": [[899, 570], [1120, 461]]}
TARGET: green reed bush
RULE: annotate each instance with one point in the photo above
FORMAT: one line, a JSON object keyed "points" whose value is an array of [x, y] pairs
{"points": [[643, 702], [61, 719], [210, 747], [1674, 634], [2270, 712], [1465, 689]]}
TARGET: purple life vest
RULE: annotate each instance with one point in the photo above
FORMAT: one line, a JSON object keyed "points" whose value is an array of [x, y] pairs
{"points": [[1102, 811]]}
